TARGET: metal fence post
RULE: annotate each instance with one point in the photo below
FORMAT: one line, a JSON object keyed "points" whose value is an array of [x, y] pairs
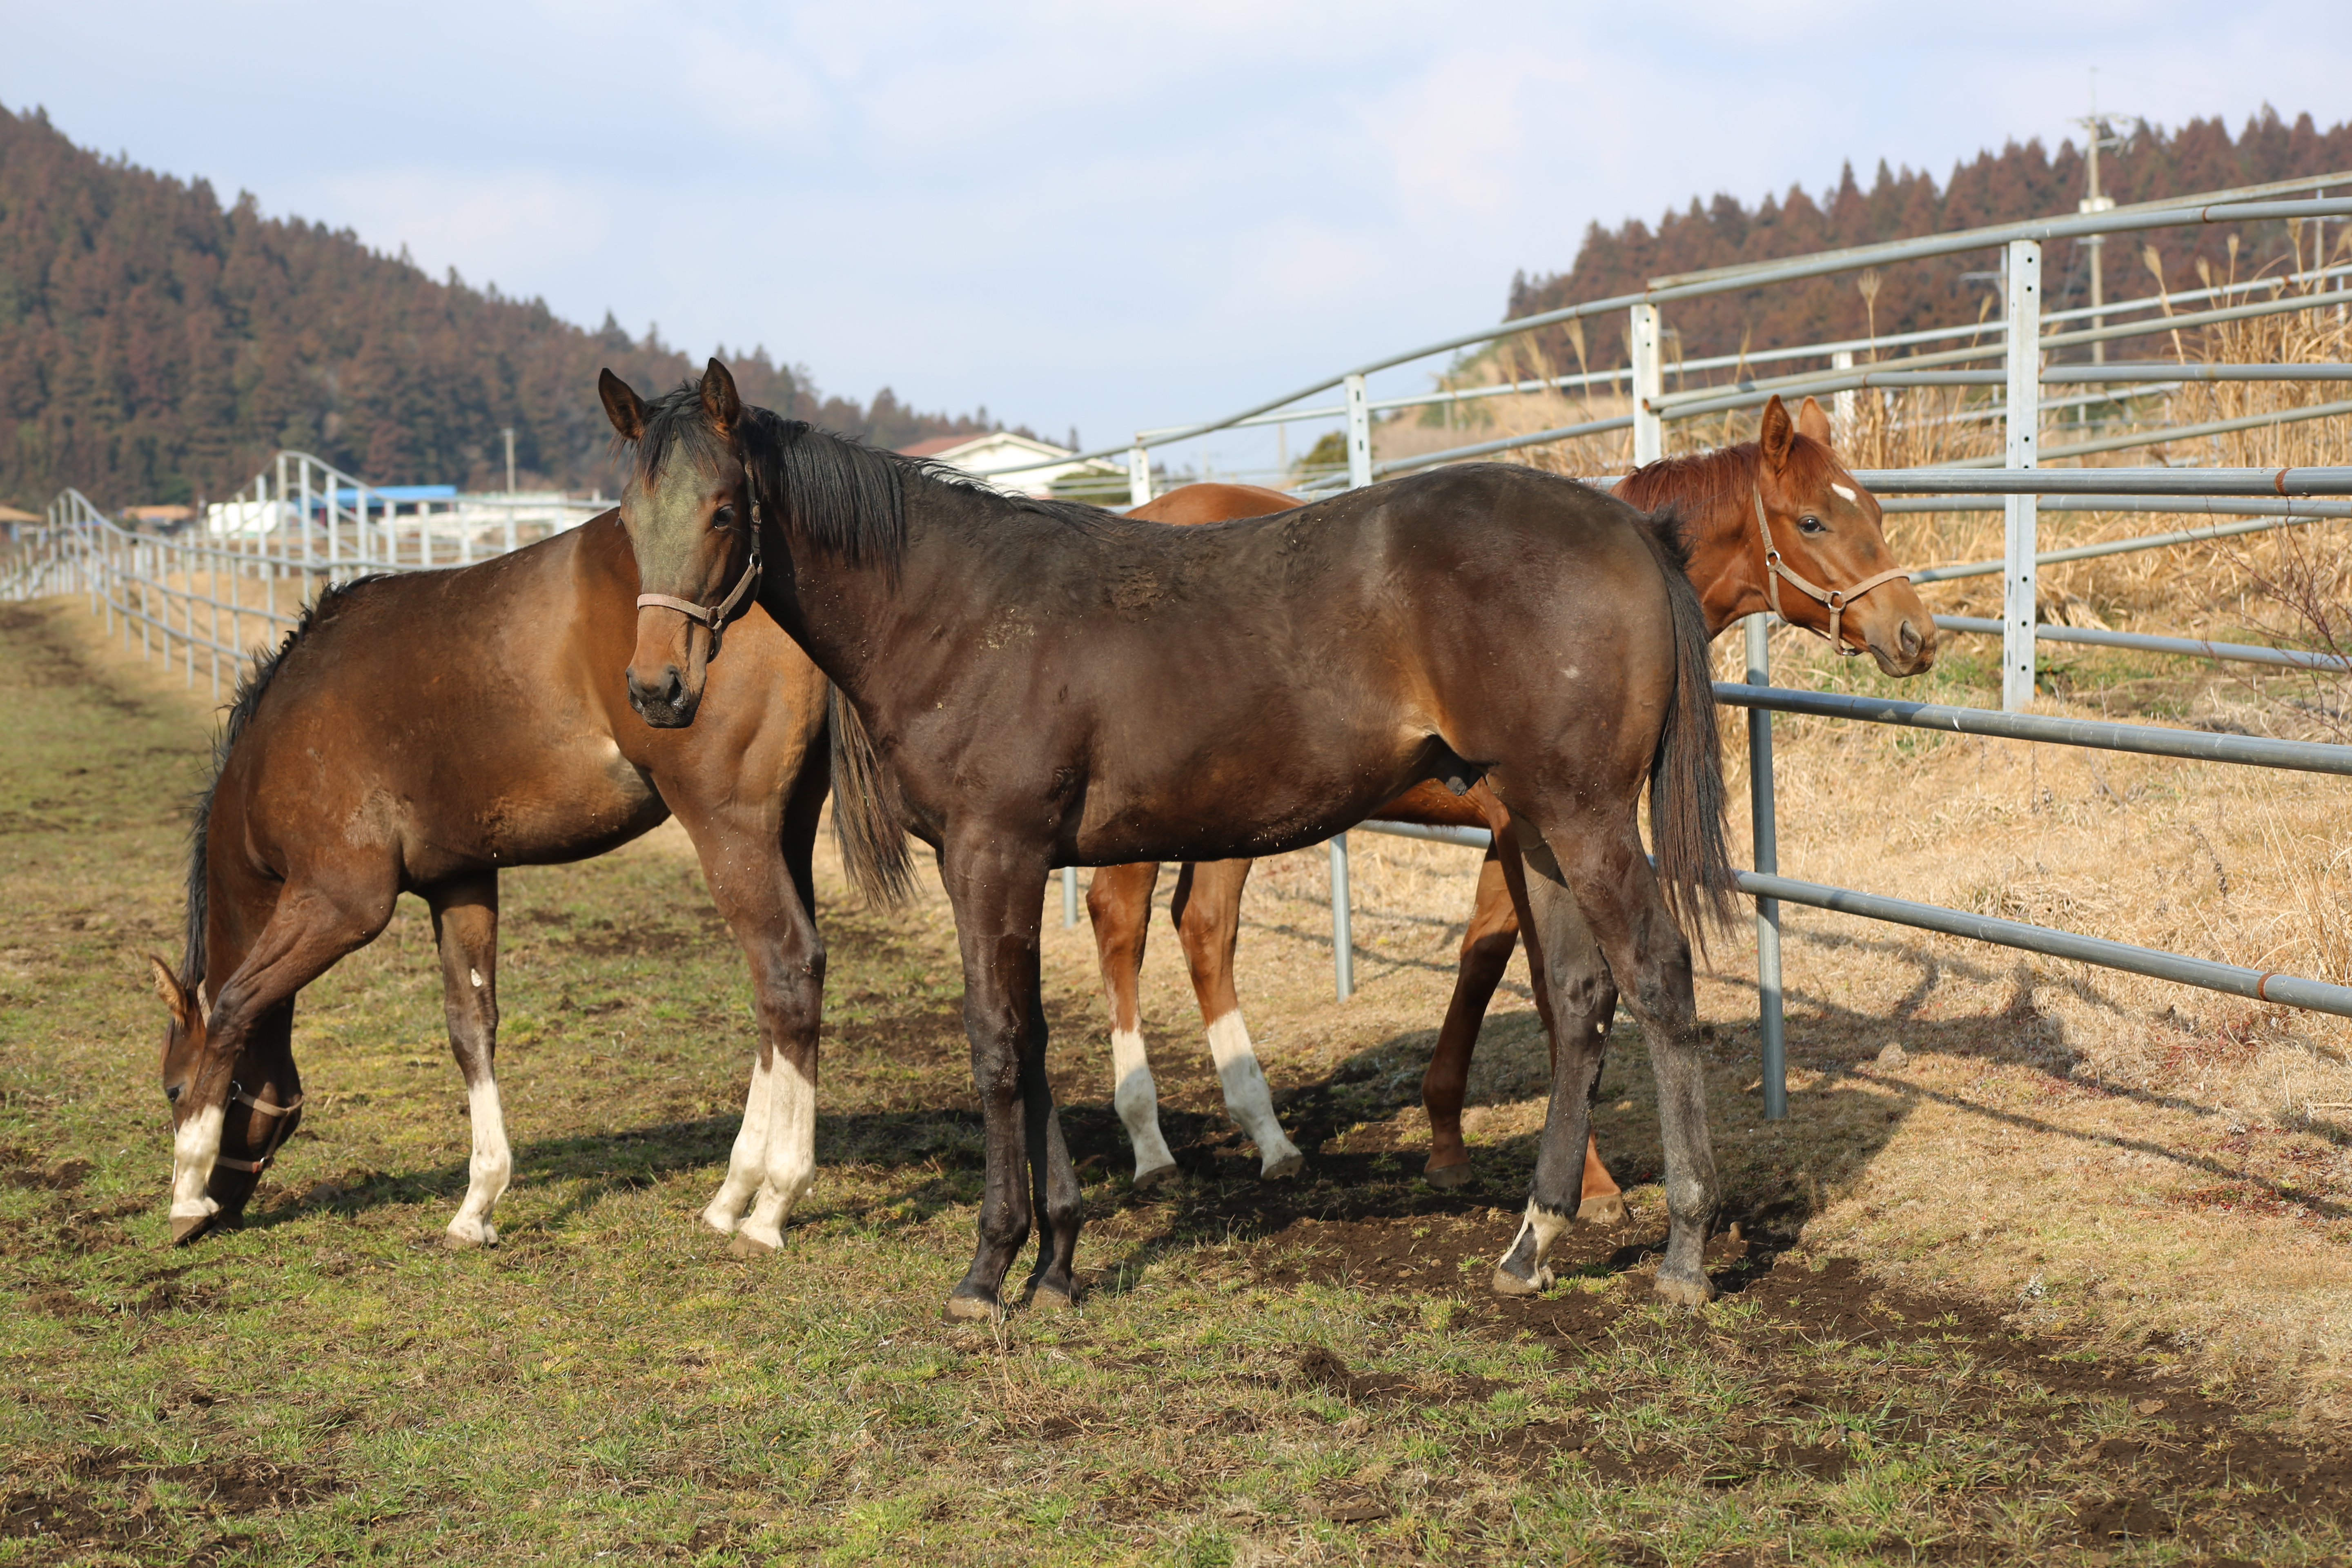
{"points": [[1842, 402], [1644, 338], [1139, 475], [1069, 895], [1770, 1023], [1359, 435], [1343, 925], [2021, 513]]}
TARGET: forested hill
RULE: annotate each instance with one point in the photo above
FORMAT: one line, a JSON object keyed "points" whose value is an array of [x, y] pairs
{"points": [[157, 346], [2019, 182]]}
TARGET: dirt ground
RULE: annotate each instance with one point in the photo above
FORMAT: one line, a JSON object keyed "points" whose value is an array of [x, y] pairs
{"points": [[2046, 1265]]}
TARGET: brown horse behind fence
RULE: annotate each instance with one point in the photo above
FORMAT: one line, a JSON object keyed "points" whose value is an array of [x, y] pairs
{"points": [[421, 733], [1783, 497]]}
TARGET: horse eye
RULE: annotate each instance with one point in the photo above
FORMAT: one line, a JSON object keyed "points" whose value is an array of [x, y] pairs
{"points": [[723, 518], [1809, 524]]}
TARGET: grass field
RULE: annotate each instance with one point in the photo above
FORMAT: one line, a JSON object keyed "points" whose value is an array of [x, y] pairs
{"points": [[2062, 1280]]}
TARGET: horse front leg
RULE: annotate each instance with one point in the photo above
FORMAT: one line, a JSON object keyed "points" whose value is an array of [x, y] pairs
{"points": [[997, 886], [755, 859]]}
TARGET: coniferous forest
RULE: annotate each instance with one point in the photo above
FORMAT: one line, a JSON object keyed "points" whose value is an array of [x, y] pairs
{"points": [[2019, 182], [157, 346]]}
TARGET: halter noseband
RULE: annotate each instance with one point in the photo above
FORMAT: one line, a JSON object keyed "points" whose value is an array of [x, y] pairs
{"points": [[278, 1129], [715, 616], [1837, 599]]}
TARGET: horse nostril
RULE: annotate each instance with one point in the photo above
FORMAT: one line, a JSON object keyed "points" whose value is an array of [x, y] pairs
{"points": [[1908, 638]]}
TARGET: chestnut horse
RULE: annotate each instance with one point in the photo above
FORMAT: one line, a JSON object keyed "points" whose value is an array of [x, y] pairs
{"points": [[353, 767], [1824, 523], [1042, 684]]}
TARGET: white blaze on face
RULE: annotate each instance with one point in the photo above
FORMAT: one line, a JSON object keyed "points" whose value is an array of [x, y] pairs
{"points": [[1247, 1096], [491, 1169], [194, 1147], [1138, 1100], [746, 1165], [1843, 491]]}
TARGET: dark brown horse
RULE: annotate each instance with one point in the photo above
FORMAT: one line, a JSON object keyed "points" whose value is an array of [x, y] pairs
{"points": [[1046, 684], [361, 761], [1819, 520]]}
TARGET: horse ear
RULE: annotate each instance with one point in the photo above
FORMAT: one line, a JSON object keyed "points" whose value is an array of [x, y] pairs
{"points": [[1775, 436], [1811, 422], [623, 406], [168, 988], [719, 396]]}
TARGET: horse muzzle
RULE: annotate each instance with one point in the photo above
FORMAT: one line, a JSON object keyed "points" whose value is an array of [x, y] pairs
{"points": [[664, 701]]}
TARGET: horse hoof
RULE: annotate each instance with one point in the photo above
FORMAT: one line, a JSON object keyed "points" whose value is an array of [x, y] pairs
{"points": [[1509, 1284], [1445, 1178], [189, 1228], [746, 1245], [719, 1220], [969, 1310], [1290, 1164], [1608, 1209], [1046, 1297], [467, 1241], [1678, 1292], [1158, 1176]]}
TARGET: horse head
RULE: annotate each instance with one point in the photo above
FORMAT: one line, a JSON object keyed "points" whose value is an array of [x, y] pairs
{"points": [[693, 523], [223, 1135], [1815, 547]]}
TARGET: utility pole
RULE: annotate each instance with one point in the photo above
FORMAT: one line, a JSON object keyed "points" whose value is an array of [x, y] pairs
{"points": [[509, 433], [2098, 132]]}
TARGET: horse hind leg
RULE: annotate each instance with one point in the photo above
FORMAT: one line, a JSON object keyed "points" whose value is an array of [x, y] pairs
{"points": [[1208, 910], [1619, 893], [1486, 948], [1581, 1001], [1118, 907], [466, 930]]}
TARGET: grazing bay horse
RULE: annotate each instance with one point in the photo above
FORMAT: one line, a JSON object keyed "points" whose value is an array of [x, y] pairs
{"points": [[1044, 684], [361, 759], [1784, 494]]}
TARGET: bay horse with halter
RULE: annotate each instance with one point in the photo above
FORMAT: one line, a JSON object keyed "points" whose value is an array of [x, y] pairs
{"points": [[1747, 511], [353, 767], [1044, 684]]}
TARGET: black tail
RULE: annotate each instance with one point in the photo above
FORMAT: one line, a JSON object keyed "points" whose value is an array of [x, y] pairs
{"points": [[1686, 772], [865, 818]]}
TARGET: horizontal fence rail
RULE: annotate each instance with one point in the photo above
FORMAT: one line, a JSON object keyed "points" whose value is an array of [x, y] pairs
{"points": [[192, 594], [2237, 979], [2101, 734], [2189, 647]]}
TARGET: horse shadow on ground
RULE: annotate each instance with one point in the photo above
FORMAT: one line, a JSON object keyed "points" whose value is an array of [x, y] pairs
{"points": [[1363, 1165]]}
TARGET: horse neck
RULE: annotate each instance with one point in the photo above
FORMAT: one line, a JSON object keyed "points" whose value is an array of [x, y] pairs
{"points": [[853, 618], [1726, 565]]}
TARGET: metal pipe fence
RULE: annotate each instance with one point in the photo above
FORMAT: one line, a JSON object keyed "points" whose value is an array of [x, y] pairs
{"points": [[300, 521]]}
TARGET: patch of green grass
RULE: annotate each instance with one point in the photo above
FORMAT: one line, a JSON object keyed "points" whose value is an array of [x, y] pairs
{"points": [[330, 1383]]}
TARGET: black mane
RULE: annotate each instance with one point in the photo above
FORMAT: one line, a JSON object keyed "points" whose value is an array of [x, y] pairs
{"points": [[839, 495], [250, 686]]}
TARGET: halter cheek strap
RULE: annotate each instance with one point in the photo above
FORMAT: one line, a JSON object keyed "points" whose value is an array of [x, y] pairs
{"points": [[715, 616], [1777, 570], [278, 1129]]}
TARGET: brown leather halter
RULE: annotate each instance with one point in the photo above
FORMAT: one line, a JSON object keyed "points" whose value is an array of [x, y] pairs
{"points": [[715, 616], [1837, 599], [278, 1129]]}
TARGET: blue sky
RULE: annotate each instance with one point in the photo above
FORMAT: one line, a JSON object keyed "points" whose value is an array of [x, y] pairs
{"points": [[1089, 216]]}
